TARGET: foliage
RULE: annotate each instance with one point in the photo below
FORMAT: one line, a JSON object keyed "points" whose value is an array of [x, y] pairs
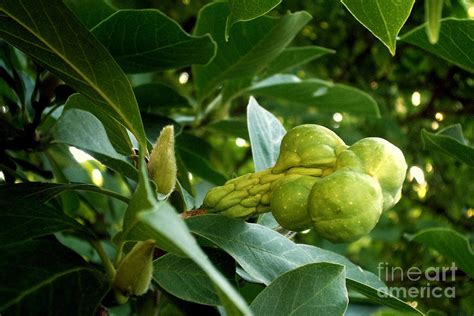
{"points": [[87, 86]]}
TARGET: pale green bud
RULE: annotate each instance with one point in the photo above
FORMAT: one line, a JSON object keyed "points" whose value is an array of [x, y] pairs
{"points": [[162, 165], [135, 271]]}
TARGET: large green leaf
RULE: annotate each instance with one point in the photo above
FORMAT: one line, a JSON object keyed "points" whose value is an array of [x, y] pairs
{"points": [[147, 40], [184, 279], [449, 243], [266, 133], [90, 12], [158, 98], [312, 289], [23, 221], [116, 132], [250, 47], [49, 32], [91, 137], [36, 193], [321, 94], [45, 278], [449, 141], [384, 18], [293, 57], [246, 10], [145, 218], [199, 166], [265, 254], [24, 216], [454, 42]]}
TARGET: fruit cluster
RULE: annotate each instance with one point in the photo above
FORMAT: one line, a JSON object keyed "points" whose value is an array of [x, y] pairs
{"points": [[319, 182]]}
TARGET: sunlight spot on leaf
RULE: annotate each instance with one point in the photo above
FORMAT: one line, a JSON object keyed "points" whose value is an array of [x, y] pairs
{"points": [[79, 155], [97, 177], [190, 176], [439, 116], [470, 11], [434, 125]]}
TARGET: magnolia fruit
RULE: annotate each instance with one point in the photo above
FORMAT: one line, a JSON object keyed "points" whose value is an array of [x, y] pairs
{"points": [[319, 182]]}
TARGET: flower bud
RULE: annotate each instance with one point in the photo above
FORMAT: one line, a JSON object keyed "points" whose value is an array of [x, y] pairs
{"points": [[162, 165], [134, 272]]}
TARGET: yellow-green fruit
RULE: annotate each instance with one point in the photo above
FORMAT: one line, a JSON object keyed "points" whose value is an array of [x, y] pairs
{"points": [[134, 272], [309, 145], [345, 205], [381, 160], [289, 203], [162, 166]]}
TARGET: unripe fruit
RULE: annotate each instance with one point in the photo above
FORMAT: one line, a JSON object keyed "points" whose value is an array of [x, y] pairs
{"points": [[162, 166], [381, 160], [134, 272], [289, 202], [345, 205], [309, 145]]}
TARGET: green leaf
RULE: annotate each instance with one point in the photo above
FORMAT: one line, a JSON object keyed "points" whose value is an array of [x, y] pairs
{"points": [[21, 221], [148, 40], [265, 254], [91, 137], [145, 219], [382, 18], [183, 278], [449, 243], [46, 278], [244, 10], [23, 215], [200, 167], [116, 132], [231, 127], [359, 280], [449, 141], [321, 94], [251, 47], [61, 43], [36, 193], [90, 12], [158, 98], [454, 43], [312, 289], [266, 133], [295, 56]]}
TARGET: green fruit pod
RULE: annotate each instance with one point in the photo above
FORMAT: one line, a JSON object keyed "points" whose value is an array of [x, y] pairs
{"points": [[289, 202], [381, 160], [345, 205], [309, 145]]}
